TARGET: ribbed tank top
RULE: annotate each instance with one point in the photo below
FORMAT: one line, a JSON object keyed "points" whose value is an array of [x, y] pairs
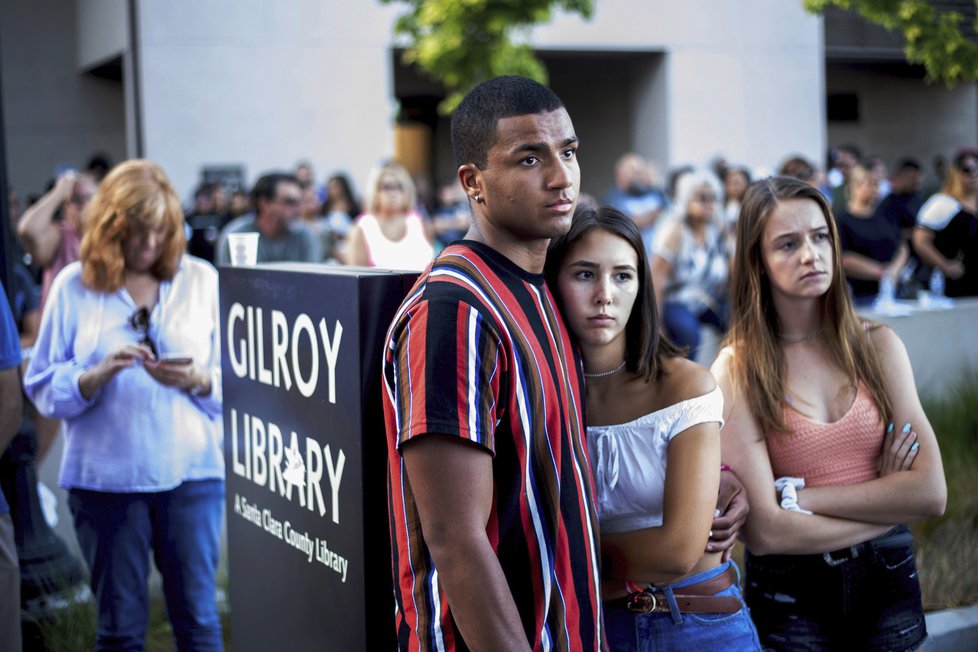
{"points": [[844, 452]]}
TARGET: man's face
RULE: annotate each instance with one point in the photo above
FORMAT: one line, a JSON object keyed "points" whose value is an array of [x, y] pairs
{"points": [[846, 161], [81, 194], [907, 181], [532, 179], [282, 209]]}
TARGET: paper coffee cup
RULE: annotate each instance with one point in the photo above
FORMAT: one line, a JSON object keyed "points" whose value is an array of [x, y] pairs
{"points": [[244, 248]]}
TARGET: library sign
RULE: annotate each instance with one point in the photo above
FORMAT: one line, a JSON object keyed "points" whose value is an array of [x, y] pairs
{"points": [[305, 453]]}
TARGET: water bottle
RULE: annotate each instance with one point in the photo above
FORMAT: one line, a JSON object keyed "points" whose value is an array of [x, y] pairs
{"points": [[937, 298], [887, 292], [936, 284]]}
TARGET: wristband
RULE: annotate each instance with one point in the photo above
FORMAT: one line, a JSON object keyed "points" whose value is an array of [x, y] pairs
{"points": [[726, 467]]}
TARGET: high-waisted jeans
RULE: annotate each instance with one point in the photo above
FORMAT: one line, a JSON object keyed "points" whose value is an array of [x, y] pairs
{"points": [[683, 631], [866, 597]]}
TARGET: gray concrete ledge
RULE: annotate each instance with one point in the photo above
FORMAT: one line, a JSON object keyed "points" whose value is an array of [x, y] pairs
{"points": [[953, 630]]}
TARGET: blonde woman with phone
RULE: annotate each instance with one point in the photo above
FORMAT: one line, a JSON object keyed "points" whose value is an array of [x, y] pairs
{"points": [[129, 356]]}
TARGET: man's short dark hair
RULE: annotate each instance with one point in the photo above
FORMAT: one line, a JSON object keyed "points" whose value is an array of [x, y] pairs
{"points": [[267, 185], [905, 164], [474, 121]]}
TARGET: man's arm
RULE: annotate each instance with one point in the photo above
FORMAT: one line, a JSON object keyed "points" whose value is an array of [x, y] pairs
{"points": [[451, 481], [37, 230]]}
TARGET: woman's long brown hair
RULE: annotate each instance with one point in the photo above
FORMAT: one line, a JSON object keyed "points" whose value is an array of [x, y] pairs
{"points": [[758, 362]]}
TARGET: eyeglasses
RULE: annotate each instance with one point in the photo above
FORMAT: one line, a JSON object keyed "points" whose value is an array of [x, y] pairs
{"points": [[705, 198], [288, 201], [393, 187], [969, 168], [140, 321]]}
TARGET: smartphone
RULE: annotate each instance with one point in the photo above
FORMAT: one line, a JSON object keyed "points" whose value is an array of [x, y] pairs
{"points": [[176, 358]]}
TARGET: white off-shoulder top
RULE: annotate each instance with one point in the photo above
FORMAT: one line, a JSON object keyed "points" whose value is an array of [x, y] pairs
{"points": [[629, 461]]}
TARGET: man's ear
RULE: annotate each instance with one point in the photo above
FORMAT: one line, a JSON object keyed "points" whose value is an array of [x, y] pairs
{"points": [[470, 176]]}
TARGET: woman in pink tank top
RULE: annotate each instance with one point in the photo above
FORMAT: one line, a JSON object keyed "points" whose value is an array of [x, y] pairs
{"points": [[808, 388]]}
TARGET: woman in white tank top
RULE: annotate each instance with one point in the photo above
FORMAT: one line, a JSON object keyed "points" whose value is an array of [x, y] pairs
{"points": [[390, 233], [654, 442]]}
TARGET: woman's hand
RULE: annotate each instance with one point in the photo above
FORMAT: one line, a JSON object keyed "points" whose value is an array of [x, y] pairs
{"points": [[731, 512], [954, 269], [899, 450], [97, 376], [182, 376]]}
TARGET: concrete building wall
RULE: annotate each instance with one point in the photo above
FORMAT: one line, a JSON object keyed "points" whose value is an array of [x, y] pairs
{"points": [[53, 114], [901, 116], [103, 31], [741, 79], [265, 84]]}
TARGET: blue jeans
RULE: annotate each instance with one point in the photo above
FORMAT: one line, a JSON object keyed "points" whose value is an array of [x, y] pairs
{"points": [[182, 527], [862, 598], [694, 632], [683, 325]]}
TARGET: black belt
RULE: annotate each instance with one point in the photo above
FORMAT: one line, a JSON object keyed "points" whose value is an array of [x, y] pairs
{"points": [[898, 537]]}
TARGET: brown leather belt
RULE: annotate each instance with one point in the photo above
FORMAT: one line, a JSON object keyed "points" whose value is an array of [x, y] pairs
{"points": [[699, 598]]}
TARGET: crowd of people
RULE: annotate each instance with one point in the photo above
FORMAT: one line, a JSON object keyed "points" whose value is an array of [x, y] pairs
{"points": [[594, 497]]}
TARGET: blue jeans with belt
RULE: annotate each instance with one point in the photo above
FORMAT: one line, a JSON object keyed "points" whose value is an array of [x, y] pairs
{"points": [[865, 597], [182, 527], [628, 631]]}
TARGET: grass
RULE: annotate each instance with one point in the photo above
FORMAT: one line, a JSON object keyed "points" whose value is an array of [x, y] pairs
{"points": [[947, 547], [73, 628]]}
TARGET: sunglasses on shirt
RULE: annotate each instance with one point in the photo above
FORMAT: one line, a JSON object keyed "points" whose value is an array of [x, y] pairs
{"points": [[139, 320]]}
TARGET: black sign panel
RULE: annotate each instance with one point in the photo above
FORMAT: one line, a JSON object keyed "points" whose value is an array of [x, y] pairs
{"points": [[308, 544]]}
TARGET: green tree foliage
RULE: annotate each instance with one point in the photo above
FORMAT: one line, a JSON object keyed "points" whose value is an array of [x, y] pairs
{"points": [[464, 42], [934, 38]]}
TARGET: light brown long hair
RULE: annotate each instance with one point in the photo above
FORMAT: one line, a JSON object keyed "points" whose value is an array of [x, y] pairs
{"points": [[758, 362], [134, 195], [954, 177]]}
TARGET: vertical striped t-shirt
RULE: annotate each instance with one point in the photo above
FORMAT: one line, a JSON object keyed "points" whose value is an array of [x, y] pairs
{"points": [[479, 351]]}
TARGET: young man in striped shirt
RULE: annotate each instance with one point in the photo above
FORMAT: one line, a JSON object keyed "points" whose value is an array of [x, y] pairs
{"points": [[494, 531]]}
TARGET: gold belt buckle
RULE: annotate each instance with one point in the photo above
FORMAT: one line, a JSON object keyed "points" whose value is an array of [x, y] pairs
{"points": [[641, 603]]}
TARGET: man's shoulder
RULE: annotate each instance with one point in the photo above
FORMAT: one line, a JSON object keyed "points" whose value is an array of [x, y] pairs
{"points": [[241, 224], [458, 277]]}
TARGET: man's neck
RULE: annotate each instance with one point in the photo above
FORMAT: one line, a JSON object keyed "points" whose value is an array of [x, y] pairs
{"points": [[268, 228], [528, 255]]}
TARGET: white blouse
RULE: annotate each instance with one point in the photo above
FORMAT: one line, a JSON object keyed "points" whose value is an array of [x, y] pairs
{"points": [[134, 434], [629, 461]]}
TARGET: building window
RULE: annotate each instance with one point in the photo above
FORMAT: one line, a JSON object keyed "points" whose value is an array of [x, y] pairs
{"points": [[843, 107]]}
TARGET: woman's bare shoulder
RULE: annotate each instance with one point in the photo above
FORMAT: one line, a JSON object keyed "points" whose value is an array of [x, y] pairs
{"points": [[684, 379]]}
